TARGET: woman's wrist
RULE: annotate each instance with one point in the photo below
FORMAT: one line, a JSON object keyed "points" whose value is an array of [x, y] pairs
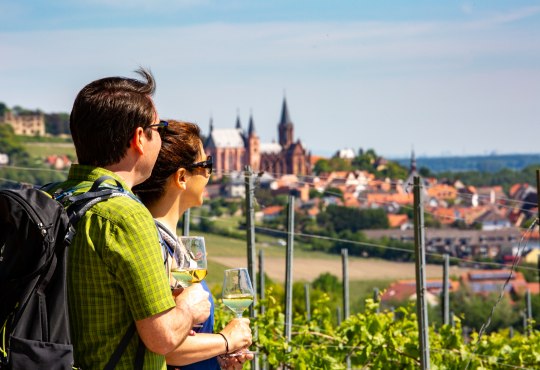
{"points": [[226, 343]]}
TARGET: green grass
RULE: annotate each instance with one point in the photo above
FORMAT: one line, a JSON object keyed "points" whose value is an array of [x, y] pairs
{"points": [[359, 290], [215, 275], [218, 245], [43, 150]]}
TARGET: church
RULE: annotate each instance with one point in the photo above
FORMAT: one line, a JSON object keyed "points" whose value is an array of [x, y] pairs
{"points": [[233, 148]]}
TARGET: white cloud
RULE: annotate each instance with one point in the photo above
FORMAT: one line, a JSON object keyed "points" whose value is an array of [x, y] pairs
{"points": [[501, 18], [366, 79], [262, 45]]}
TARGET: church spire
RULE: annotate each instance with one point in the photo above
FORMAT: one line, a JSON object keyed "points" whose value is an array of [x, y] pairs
{"points": [[238, 124], [251, 126], [211, 125], [285, 118], [285, 126], [413, 162]]}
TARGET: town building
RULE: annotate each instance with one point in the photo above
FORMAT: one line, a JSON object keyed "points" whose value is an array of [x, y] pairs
{"points": [[25, 124], [405, 290], [458, 243], [233, 149], [493, 281]]}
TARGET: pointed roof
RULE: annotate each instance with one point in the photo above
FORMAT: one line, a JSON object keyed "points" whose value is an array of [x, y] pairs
{"points": [[413, 162], [285, 118], [238, 124], [211, 124], [251, 126]]}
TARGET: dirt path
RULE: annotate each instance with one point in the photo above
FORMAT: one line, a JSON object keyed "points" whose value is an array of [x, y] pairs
{"points": [[308, 269]]}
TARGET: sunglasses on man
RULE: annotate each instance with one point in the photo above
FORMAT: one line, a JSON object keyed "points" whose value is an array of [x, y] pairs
{"points": [[204, 164], [159, 125]]}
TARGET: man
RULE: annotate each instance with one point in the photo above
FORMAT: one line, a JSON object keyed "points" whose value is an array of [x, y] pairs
{"points": [[115, 266]]}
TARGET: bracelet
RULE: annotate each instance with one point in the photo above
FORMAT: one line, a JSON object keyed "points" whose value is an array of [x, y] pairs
{"points": [[226, 343]]}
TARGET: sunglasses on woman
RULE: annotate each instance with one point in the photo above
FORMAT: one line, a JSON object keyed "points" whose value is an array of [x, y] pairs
{"points": [[204, 164]]}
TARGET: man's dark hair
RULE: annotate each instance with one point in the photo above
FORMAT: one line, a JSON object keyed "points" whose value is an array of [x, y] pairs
{"points": [[105, 115]]}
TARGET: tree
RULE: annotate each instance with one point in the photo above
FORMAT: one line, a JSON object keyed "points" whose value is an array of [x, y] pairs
{"points": [[475, 309], [57, 123], [334, 192], [353, 219], [10, 145], [394, 171], [332, 164]]}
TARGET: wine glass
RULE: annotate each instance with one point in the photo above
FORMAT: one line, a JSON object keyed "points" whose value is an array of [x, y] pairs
{"points": [[237, 292], [189, 263], [237, 295]]}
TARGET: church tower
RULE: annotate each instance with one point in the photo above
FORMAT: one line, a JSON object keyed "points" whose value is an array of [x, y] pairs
{"points": [[285, 127], [253, 151], [412, 168]]}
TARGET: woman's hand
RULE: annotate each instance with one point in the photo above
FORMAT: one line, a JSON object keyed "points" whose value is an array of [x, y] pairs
{"points": [[233, 362], [238, 334]]}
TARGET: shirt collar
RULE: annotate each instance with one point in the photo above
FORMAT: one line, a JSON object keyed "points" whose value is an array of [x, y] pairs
{"points": [[81, 172]]}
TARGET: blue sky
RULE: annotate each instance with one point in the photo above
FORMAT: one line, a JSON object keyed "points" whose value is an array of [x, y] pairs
{"points": [[442, 77]]}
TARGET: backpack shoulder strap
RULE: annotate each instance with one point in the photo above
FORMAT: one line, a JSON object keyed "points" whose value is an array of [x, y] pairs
{"points": [[77, 205], [139, 357]]}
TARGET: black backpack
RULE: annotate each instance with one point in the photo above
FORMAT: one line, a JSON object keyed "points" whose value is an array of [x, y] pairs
{"points": [[35, 233]]}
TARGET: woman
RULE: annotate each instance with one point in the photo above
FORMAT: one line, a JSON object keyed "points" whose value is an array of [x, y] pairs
{"points": [[177, 183]]}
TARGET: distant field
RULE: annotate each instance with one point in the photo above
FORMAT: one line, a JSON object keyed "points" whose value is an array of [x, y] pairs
{"points": [[307, 269], [309, 265], [45, 149]]}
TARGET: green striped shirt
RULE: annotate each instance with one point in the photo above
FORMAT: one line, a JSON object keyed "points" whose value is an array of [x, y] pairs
{"points": [[115, 275]]}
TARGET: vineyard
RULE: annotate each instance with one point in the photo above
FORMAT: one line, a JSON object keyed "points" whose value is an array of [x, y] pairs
{"points": [[400, 338], [385, 340], [373, 336]]}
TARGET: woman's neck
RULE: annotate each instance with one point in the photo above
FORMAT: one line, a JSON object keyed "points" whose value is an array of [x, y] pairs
{"points": [[168, 212]]}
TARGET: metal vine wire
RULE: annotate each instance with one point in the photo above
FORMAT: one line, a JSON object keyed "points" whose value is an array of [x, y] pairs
{"points": [[484, 326], [382, 246], [356, 242]]}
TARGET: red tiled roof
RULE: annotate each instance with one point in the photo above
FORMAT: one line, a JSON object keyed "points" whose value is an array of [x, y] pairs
{"points": [[272, 210], [404, 289], [397, 220], [534, 288]]}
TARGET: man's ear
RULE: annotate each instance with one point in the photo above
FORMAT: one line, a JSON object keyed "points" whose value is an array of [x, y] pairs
{"points": [[180, 178], [138, 139]]}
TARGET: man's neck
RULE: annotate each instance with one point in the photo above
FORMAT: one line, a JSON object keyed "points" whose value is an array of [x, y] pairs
{"points": [[128, 171]]}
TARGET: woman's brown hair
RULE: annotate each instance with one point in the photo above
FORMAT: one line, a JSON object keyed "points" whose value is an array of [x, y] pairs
{"points": [[180, 148]]}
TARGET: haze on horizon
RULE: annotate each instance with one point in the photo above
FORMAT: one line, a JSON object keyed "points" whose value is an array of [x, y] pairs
{"points": [[442, 78]]}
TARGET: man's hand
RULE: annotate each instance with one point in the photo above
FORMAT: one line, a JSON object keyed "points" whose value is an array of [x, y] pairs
{"points": [[195, 299]]}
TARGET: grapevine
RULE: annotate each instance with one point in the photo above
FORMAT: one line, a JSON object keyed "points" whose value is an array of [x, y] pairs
{"points": [[380, 340]]}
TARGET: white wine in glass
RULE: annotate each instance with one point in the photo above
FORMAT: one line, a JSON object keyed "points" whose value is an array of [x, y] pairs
{"points": [[237, 292], [189, 260], [237, 295]]}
